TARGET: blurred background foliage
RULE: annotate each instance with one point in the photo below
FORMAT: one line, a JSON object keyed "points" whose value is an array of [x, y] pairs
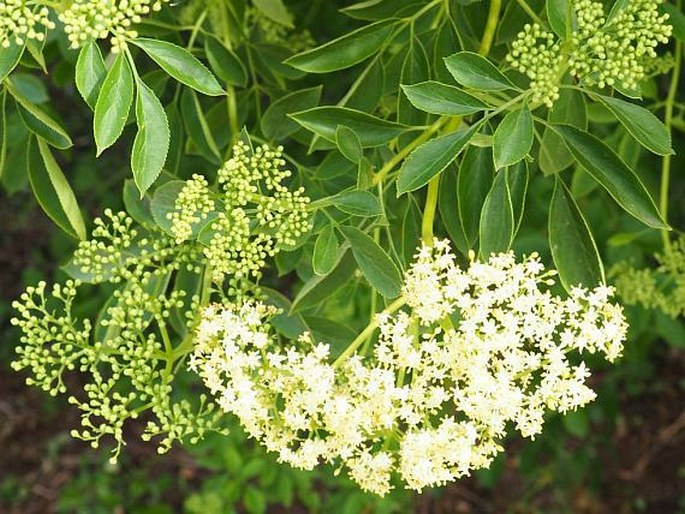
{"points": [[624, 453]]}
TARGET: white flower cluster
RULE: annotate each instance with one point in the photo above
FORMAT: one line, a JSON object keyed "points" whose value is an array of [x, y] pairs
{"points": [[21, 20], [479, 349], [618, 52], [99, 19]]}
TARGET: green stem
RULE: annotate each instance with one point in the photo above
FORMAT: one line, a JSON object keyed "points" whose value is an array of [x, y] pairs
{"points": [[429, 210], [668, 121], [530, 12], [425, 136], [490, 27], [367, 332]]}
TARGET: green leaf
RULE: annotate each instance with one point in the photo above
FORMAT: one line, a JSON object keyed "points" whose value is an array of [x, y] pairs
{"points": [[358, 203], [513, 138], [164, 202], [276, 124], [642, 124], [181, 64], [30, 87], [571, 109], [475, 71], [556, 15], [39, 122], [573, 248], [431, 158], [613, 174], [348, 50], [517, 179], [136, 207], [371, 10], [318, 288], [473, 184], [227, 66], [375, 264], [52, 190], [113, 104], [197, 128], [324, 121], [438, 98], [348, 143], [325, 255], [90, 72], [448, 204], [151, 145], [275, 10], [9, 58], [497, 218]]}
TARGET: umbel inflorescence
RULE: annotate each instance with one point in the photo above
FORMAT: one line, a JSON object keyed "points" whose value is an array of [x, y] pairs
{"points": [[162, 276], [615, 50], [82, 20], [462, 355]]}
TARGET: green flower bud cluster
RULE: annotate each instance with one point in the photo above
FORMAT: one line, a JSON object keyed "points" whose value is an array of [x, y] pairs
{"points": [[99, 19], [21, 20], [259, 215], [118, 252], [193, 205], [536, 53], [615, 52], [129, 356], [278, 34], [660, 288]]}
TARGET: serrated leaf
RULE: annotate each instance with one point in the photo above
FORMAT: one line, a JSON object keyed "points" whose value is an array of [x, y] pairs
{"points": [[613, 174], [517, 179], [348, 143], [431, 158], [9, 58], [496, 228], [136, 207], [325, 255], [113, 104], [225, 64], [52, 190], [343, 52], [513, 138], [442, 99], [151, 145], [641, 124], [573, 248], [39, 122], [276, 124], [181, 65], [90, 72], [324, 121], [475, 71], [163, 202], [375, 264]]}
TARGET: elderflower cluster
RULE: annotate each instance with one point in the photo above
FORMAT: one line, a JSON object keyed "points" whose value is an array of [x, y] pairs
{"points": [[258, 215], [472, 352], [100, 19], [660, 288], [616, 52], [21, 20]]}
